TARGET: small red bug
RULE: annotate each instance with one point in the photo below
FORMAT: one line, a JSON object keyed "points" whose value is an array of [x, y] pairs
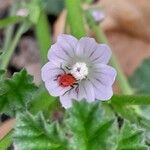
{"points": [[66, 80]]}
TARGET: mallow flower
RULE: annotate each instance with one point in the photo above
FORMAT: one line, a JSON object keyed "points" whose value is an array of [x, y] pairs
{"points": [[77, 69], [98, 15]]}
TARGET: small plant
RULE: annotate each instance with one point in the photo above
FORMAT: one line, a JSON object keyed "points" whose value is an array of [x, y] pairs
{"points": [[75, 108]]}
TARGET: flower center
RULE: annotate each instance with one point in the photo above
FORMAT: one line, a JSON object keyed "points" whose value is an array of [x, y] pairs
{"points": [[79, 70]]}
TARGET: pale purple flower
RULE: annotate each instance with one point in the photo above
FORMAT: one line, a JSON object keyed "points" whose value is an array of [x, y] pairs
{"points": [[98, 15], [77, 69]]}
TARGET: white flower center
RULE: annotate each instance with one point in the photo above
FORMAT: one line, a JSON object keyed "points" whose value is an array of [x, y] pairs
{"points": [[79, 70]]}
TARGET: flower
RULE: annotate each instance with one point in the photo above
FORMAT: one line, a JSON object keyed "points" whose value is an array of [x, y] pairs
{"points": [[77, 69], [98, 15]]}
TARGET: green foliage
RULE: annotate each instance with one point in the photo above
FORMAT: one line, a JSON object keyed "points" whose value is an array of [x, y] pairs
{"points": [[75, 18], [34, 133], [6, 141], [54, 7], [141, 78], [85, 127], [44, 40], [89, 127], [10, 21], [130, 138], [130, 100], [44, 102], [34, 10], [15, 93], [140, 82]]}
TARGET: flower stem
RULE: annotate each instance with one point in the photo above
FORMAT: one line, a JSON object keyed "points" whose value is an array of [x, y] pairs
{"points": [[43, 35], [6, 56], [75, 18], [123, 82], [130, 100]]}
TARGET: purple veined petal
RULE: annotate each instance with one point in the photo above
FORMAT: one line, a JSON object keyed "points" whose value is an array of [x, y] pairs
{"points": [[106, 74], [57, 55], [86, 46], [66, 101], [68, 43], [102, 54], [104, 94], [102, 91], [86, 91], [50, 71], [55, 89]]}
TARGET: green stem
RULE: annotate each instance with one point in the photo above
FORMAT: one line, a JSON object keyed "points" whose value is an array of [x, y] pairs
{"points": [[9, 21], [8, 37], [42, 30], [130, 100], [9, 30], [75, 18], [8, 52], [123, 82]]}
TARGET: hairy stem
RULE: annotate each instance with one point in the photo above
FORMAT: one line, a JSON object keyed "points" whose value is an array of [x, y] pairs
{"points": [[9, 51], [75, 18], [42, 30]]}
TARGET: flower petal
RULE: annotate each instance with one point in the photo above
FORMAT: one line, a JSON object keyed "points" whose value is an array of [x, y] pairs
{"points": [[66, 101], [57, 55], [102, 81], [63, 49], [49, 71], [86, 46], [68, 43], [55, 89], [106, 74], [104, 94], [102, 54], [86, 91]]}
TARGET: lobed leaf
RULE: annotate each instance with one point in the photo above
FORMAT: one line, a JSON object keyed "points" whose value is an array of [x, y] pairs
{"points": [[85, 127], [15, 93], [131, 138], [34, 133], [89, 126]]}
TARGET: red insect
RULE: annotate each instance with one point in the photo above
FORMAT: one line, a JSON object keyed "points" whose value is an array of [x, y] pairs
{"points": [[66, 80]]}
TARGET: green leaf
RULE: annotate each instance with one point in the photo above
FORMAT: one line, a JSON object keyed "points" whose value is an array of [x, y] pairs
{"points": [[43, 101], [140, 80], [16, 93], [6, 141], [131, 138], [85, 127], [130, 100], [10, 21], [34, 133], [90, 127]]}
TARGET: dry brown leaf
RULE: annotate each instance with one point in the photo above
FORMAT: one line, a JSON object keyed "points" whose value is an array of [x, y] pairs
{"points": [[131, 16]]}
